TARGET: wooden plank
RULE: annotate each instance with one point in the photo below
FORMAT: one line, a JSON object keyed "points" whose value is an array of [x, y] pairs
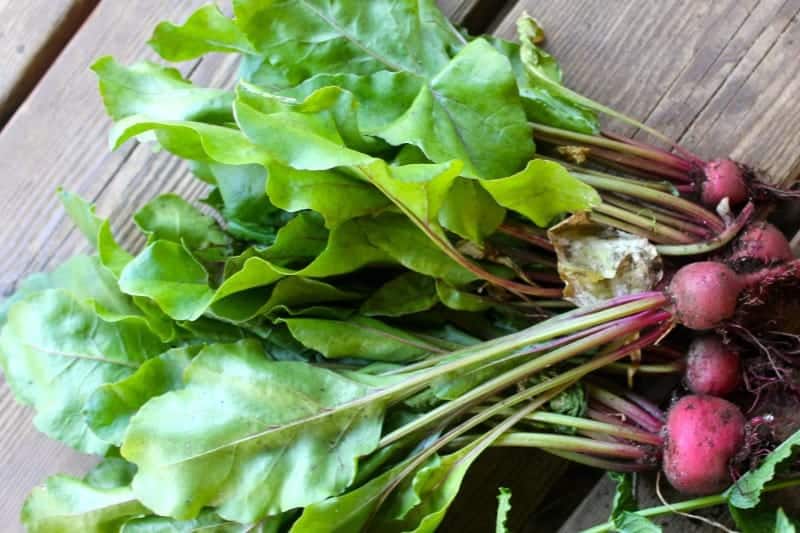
{"points": [[58, 138], [722, 77], [33, 34]]}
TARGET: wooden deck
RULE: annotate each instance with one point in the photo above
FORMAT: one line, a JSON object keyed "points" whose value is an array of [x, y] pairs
{"points": [[723, 77]]}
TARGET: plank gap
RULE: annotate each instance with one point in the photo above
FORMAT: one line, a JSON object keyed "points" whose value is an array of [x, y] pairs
{"points": [[44, 57]]}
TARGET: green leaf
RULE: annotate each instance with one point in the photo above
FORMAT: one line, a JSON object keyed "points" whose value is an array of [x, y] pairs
{"points": [[152, 91], [624, 496], [253, 436], [460, 300], [206, 30], [629, 522], [171, 218], [542, 192], [56, 350], [783, 524], [299, 38], [469, 211], [761, 519], [357, 337], [746, 492], [65, 504], [406, 294], [110, 407], [248, 212], [470, 111], [82, 214], [111, 472], [503, 508], [407, 245], [168, 274], [323, 124], [96, 230], [336, 196], [207, 521]]}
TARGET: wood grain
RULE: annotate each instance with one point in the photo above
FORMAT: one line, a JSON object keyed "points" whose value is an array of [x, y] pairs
{"points": [[58, 138], [721, 77], [32, 35]]}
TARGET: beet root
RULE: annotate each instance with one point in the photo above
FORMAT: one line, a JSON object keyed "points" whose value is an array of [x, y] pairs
{"points": [[724, 178], [704, 435], [712, 366], [761, 243], [704, 294]]}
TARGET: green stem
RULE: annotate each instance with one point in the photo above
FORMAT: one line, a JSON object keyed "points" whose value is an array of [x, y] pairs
{"points": [[652, 154], [523, 371], [650, 224], [557, 326], [693, 505], [675, 367], [594, 426], [624, 226], [599, 462], [607, 182], [569, 443], [657, 215], [713, 244]]}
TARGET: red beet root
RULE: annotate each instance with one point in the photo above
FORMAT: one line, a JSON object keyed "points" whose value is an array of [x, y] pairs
{"points": [[723, 178], [763, 243], [712, 367], [704, 294], [704, 434]]}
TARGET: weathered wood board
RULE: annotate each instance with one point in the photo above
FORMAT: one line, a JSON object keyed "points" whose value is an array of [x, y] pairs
{"points": [[31, 36]]}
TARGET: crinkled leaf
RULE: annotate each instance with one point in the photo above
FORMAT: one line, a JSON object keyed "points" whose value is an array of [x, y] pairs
{"points": [[299, 38], [503, 508], [65, 504], [597, 262], [206, 30], [358, 337], [208, 521], [171, 218], [253, 436], [406, 294], [303, 134], [471, 111], [382, 97], [746, 492], [110, 407], [56, 350], [542, 191], [336, 196], [155, 92]]}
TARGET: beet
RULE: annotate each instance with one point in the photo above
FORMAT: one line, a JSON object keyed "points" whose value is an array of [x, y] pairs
{"points": [[761, 243], [724, 178], [704, 435], [712, 366], [704, 294]]}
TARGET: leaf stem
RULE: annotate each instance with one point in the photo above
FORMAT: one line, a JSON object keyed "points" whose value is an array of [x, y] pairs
{"points": [[523, 371]]}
